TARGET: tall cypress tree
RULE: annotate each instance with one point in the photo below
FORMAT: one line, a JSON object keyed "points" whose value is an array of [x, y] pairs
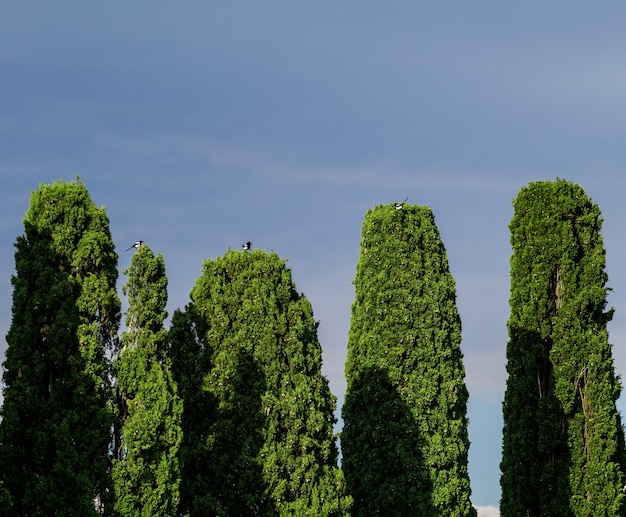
{"points": [[146, 476], [55, 428], [405, 440], [271, 442], [563, 445]]}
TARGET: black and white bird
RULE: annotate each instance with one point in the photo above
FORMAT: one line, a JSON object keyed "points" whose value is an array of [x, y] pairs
{"points": [[247, 246], [136, 246], [400, 205]]}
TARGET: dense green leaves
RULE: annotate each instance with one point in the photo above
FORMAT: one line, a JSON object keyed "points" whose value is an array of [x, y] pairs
{"points": [[271, 443], [563, 448], [54, 433], [228, 412], [405, 439], [146, 475]]}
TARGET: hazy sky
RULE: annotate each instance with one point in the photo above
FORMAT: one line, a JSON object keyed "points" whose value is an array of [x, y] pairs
{"points": [[201, 125]]}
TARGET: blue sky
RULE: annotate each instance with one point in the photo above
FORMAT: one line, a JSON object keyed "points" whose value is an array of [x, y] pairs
{"points": [[202, 125]]}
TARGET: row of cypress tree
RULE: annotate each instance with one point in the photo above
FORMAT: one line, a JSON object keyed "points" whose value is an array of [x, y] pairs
{"points": [[226, 412]]}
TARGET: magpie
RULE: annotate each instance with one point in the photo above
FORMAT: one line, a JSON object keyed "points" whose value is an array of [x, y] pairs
{"points": [[136, 245], [247, 246], [400, 205]]}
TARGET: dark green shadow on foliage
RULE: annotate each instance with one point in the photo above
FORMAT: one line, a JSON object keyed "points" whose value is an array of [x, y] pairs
{"points": [[235, 473], [538, 428], [395, 480], [189, 366]]}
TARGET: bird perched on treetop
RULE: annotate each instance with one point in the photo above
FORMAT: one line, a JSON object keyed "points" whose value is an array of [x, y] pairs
{"points": [[136, 245], [400, 205], [247, 246]]}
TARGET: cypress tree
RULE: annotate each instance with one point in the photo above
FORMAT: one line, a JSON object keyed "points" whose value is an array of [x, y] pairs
{"points": [[271, 441], [56, 418], [563, 445], [146, 476], [405, 441]]}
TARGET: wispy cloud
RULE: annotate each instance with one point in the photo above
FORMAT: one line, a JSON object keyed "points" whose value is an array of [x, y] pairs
{"points": [[487, 511], [210, 155]]}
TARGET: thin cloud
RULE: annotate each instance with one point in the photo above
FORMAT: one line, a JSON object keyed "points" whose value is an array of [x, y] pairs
{"points": [[487, 511], [210, 155]]}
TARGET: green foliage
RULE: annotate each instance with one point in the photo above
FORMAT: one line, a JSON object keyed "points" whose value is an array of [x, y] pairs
{"points": [[405, 440], [228, 413], [563, 450], [270, 442], [146, 476], [54, 433]]}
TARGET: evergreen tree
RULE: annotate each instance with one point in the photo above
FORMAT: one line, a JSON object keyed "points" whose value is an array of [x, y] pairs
{"points": [[405, 441], [146, 476], [563, 445], [271, 439], [56, 418]]}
